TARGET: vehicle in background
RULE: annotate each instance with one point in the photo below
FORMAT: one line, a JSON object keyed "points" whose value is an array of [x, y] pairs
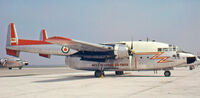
{"points": [[12, 62]]}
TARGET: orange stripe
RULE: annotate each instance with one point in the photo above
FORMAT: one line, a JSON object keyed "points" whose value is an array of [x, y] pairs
{"points": [[12, 31], [163, 59], [135, 62], [44, 34], [13, 37], [147, 53]]}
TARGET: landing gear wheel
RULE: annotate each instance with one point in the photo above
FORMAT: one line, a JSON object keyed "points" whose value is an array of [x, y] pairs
{"points": [[10, 68], [20, 68], [98, 73], [167, 73], [119, 72], [191, 67]]}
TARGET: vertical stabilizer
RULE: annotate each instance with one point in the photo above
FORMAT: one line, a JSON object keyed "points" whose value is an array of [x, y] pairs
{"points": [[12, 39], [43, 35]]}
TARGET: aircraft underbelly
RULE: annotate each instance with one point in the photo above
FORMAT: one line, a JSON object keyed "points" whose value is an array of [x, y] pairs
{"points": [[119, 64]]}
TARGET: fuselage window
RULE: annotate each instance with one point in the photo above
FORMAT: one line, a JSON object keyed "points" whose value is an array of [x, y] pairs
{"points": [[165, 49], [174, 49], [159, 49], [178, 55], [170, 49], [174, 56]]}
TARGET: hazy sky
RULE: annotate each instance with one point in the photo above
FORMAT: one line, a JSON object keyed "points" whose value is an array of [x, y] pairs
{"points": [[171, 21]]}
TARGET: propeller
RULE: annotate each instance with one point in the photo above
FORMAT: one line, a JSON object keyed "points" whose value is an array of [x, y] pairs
{"points": [[3, 62], [131, 52]]}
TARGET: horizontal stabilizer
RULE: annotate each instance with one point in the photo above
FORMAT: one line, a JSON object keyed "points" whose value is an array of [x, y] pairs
{"points": [[45, 55], [12, 52]]}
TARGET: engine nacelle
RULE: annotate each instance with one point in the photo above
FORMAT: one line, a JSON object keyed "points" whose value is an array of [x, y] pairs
{"points": [[3, 61], [120, 51]]}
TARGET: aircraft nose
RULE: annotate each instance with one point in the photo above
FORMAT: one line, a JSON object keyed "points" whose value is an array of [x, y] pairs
{"points": [[191, 60], [26, 63]]}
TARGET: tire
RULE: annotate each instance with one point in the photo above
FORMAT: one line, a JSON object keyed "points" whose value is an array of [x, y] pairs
{"points": [[20, 68], [119, 72], [191, 67], [98, 73], [167, 73], [10, 68]]}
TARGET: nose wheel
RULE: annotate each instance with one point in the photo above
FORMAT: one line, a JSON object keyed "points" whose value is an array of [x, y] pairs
{"points": [[99, 73], [167, 73]]}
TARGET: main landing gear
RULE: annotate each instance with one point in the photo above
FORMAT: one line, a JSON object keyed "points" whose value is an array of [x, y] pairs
{"points": [[191, 67], [119, 72], [99, 73], [167, 73]]}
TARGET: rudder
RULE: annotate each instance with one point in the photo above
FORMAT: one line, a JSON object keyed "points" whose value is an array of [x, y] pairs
{"points": [[43, 35], [12, 38]]}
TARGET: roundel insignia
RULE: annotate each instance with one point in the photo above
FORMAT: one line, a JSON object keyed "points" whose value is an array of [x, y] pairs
{"points": [[65, 49]]}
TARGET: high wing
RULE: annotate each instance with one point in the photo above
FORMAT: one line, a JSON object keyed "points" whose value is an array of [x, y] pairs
{"points": [[78, 45], [47, 46]]}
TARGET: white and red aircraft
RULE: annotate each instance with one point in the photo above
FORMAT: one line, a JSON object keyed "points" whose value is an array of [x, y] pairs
{"points": [[118, 57]]}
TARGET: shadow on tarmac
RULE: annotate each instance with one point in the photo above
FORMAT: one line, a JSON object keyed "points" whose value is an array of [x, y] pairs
{"points": [[19, 75], [72, 78]]}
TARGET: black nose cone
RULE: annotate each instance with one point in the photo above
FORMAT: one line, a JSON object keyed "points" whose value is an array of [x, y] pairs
{"points": [[191, 60]]}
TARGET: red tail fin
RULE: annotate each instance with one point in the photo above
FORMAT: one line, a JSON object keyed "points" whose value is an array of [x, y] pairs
{"points": [[12, 38], [43, 35]]}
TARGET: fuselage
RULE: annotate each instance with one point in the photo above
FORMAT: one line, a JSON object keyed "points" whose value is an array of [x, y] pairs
{"points": [[119, 56], [147, 56]]}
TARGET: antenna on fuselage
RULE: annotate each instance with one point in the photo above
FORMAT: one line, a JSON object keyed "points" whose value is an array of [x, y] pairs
{"points": [[148, 39]]}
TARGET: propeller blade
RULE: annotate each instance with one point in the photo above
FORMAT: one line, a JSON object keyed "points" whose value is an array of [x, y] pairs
{"points": [[131, 48], [130, 62]]}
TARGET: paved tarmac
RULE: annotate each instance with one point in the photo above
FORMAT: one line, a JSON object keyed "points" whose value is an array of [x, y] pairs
{"points": [[62, 82]]}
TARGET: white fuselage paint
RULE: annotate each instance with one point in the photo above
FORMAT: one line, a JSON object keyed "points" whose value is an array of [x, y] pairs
{"points": [[137, 62]]}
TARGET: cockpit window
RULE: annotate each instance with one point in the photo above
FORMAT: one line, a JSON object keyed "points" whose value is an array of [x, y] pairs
{"points": [[199, 57], [167, 49]]}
